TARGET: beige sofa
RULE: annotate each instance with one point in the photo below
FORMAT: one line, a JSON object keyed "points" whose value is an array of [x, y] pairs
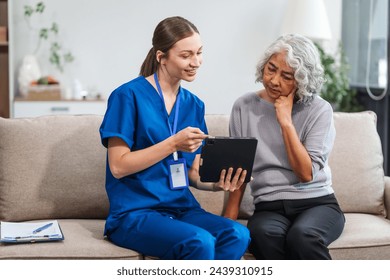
{"points": [[54, 168]]}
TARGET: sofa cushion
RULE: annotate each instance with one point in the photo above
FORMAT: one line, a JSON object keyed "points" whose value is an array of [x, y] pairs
{"points": [[52, 167], [83, 240], [370, 234], [358, 231], [356, 162]]}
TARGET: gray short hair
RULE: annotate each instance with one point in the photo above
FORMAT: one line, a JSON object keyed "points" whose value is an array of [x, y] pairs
{"points": [[303, 57]]}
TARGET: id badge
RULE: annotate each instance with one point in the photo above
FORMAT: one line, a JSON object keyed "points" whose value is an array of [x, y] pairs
{"points": [[178, 176]]}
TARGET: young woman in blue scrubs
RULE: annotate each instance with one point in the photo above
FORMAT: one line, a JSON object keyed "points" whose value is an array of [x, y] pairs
{"points": [[153, 130]]}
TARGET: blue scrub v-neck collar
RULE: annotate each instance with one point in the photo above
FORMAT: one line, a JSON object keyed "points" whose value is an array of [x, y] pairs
{"points": [[179, 94]]}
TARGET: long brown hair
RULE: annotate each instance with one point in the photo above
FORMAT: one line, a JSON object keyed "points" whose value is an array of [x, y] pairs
{"points": [[166, 34]]}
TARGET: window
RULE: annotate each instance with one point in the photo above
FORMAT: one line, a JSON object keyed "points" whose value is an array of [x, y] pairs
{"points": [[364, 37]]}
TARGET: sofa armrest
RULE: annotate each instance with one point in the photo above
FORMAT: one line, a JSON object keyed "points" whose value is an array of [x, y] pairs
{"points": [[387, 196]]}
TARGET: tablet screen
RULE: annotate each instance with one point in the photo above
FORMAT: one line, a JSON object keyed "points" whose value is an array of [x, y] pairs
{"points": [[223, 152]]}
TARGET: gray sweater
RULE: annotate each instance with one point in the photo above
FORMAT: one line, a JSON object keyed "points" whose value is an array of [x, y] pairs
{"points": [[274, 179]]}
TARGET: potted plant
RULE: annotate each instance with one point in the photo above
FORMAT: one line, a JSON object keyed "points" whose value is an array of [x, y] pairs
{"points": [[336, 89], [57, 56], [32, 84]]}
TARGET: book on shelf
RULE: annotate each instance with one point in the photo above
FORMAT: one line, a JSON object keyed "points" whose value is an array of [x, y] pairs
{"points": [[24, 232]]}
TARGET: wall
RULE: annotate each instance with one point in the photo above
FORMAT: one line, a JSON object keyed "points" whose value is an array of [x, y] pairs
{"points": [[111, 38]]}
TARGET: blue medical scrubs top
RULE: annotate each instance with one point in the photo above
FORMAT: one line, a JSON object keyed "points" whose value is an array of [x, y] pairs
{"points": [[136, 114]]}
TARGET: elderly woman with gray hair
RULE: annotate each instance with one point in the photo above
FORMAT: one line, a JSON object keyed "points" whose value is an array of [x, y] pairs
{"points": [[296, 212]]}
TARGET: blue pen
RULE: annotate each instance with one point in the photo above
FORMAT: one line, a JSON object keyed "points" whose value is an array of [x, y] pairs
{"points": [[42, 228]]}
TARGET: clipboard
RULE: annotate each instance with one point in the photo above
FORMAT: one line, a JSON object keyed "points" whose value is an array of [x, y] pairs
{"points": [[223, 152], [30, 232]]}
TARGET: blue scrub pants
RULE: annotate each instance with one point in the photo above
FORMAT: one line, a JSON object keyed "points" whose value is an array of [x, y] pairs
{"points": [[192, 234], [295, 229]]}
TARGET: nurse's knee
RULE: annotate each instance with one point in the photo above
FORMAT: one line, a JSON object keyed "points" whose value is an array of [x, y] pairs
{"points": [[200, 246], [203, 239], [241, 234]]}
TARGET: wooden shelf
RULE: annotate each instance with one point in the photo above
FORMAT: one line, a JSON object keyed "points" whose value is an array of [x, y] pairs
{"points": [[4, 64]]}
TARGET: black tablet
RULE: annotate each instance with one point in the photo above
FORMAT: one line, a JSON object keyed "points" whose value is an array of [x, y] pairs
{"points": [[223, 152]]}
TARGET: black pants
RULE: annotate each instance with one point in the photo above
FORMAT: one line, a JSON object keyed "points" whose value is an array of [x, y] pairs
{"points": [[295, 229]]}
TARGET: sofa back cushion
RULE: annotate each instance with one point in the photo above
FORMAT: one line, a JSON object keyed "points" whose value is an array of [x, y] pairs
{"points": [[218, 125], [356, 162], [52, 167]]}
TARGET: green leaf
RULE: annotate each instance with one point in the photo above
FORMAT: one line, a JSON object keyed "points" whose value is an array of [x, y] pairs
{"points": [[54, 28], [40, 7], [44, 33], [55, 47], [55, 59], [28, 10], [68, 57]]}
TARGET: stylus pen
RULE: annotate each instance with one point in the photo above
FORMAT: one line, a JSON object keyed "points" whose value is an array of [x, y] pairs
{"points": [[42, 228]]}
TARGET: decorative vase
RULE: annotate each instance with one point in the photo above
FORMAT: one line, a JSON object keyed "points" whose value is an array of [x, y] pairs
{"points": [[29, 71]]}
